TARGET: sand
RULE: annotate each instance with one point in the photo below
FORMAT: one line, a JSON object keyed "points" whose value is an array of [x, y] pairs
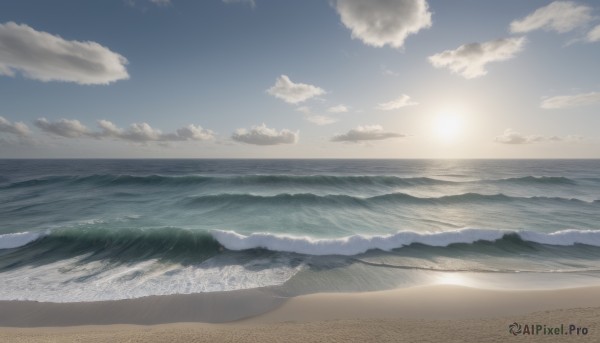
{"points": [[443, 313]]}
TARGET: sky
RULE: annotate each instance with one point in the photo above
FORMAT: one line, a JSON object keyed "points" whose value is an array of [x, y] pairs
{"points": [[299, 79]]}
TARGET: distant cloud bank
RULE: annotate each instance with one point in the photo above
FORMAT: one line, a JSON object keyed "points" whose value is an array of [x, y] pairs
{"points": [[510, 136], [567, 101], [262, 135], [136, 132], [365, 133]]}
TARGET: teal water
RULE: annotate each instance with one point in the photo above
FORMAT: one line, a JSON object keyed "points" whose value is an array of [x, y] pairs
{"points": [[83, 230]]}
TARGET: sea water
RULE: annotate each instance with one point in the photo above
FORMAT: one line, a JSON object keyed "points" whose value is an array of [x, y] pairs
{"points": [[87, 230]]}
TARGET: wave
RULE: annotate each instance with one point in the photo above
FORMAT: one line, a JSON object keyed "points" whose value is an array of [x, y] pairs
{"points": [[309, 199], [177, 242], [357, 244], [545, 180], [15, 240], [274, 180]]}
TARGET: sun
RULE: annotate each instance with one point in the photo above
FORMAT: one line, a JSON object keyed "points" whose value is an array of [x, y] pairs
{"points": [[447, 125]]}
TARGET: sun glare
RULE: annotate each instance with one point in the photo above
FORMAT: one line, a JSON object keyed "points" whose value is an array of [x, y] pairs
{"points": [[447, 125]]}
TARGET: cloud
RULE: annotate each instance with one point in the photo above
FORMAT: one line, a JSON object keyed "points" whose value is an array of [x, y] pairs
{"points": [[469, 60], [262, 135], [315, 118], [509, 136], [594, 34], [559, 16], [42, 56], [401, 101], [291, 92], [17, 128], [365, 133], [384, 22], [136, 132], [567, 138], [566, 101], [143, 132], [64, 127], [252, 3], [338, 109]]}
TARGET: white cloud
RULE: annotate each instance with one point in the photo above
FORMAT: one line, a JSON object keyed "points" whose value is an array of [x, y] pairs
{"points": [[401, 101], [291, 92], [594, 34], [509, 136], [469, 60], [338, 109], [381, 22], [136, 132], [194, 133], [42, 56], [252, 3], [559, 16], [262, 135], [566, 101], [63, 127], [143, 132], [567, 138], [365, 133], [17, 128]]}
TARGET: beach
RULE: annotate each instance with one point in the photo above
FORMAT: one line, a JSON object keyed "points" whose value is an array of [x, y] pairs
{"points": [[442, 313]]}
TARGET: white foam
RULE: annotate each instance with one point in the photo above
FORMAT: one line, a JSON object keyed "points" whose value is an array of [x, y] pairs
{"points": [[70, 280], [357, 244], [19, 239]]}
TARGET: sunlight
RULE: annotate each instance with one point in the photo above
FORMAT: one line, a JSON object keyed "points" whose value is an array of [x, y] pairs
{"points": [[448, 125]]}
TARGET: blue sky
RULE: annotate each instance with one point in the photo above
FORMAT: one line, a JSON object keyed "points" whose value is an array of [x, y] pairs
{"points": [[389, 79]]}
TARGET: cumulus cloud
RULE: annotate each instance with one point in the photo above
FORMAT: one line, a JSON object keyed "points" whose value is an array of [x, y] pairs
{"points": [[469, 60], [384, 22], [291, 92], [315, 118], [401, 101], [365, 133], [510, 136], [262, 135], [18, 129], [42, 56], [136, 132], [594, 34], [143, 132], [566, 101], [338, 109], [63, 127], [559, 16]]}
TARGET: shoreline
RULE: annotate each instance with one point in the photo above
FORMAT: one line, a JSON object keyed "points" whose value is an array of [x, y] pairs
{"points": [[445, 313], [268, 305]]}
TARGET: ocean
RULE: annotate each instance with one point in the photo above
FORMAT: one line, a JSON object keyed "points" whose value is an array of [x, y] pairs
{"points": [[93, 230]]}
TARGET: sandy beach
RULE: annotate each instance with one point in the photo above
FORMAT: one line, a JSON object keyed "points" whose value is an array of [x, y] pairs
{"points": [[443, 313]]}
